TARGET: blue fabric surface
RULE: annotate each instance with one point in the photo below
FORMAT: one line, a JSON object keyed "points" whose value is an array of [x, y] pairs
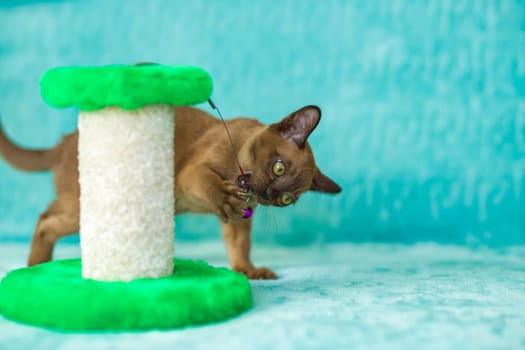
{"points": [[338, 296], [424, 111]]}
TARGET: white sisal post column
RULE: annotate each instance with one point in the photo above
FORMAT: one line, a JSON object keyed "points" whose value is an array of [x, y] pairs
{"points": [[127, 202]]}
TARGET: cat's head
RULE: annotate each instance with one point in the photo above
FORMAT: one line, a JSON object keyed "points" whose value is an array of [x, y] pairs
{"points": [[282, 162]]}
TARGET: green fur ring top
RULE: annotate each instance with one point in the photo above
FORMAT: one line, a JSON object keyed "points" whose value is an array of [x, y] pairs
{"points": [[129, 87]]}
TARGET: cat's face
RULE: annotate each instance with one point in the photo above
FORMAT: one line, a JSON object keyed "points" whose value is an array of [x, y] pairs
{"points": [[282, 162]]}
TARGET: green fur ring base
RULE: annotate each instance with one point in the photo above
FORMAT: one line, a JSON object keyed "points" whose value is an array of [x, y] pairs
{"points": [[54, 295]]}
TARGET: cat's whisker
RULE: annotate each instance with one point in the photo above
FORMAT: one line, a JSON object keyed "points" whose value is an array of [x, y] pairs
{"points": [[270, 224], [275, 222], [262, 215]]}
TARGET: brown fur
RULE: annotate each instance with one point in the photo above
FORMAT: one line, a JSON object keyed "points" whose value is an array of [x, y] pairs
{"points": [[205, 174]]}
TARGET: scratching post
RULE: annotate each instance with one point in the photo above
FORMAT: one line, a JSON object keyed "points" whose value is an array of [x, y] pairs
{"points": [[127, 195], [126, 279]]}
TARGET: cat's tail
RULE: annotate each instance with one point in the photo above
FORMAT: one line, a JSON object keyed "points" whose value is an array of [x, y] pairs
{"points": [[24, 159]]}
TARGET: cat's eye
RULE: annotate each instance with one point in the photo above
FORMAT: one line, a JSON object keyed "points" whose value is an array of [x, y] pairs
{"points": [[278, 168], [286, 199]]}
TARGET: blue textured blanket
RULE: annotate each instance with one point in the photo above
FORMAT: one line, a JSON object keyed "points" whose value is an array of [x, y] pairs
{"points": [[337, 296], [423, 126]]}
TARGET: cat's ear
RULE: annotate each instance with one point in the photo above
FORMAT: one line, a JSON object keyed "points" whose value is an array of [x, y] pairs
{"points": [[322, 183], [299, 125]]}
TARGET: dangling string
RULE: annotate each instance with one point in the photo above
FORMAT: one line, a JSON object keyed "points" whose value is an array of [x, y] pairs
{"points": [[214, 106], [244, 180]]}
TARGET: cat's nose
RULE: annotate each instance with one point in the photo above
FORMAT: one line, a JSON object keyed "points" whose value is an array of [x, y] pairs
{"points": [[266, 194]]}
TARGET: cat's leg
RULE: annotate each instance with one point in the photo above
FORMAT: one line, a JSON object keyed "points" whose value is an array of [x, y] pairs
{"points": [[237, 237], [60, 219]]}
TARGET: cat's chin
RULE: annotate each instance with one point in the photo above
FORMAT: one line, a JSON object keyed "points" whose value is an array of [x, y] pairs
{"points": [[263, 201]]}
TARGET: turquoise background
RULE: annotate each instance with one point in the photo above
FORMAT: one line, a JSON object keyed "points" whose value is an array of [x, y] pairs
{"points": [[423, 104]]}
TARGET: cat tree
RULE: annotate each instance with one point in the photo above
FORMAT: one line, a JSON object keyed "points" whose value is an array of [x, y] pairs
{"points": [[126, 175]]}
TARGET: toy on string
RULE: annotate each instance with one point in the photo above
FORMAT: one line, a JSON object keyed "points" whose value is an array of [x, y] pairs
{"points": [[244, 180]]}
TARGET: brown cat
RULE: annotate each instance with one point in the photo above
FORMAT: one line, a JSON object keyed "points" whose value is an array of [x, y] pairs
{"points": [[278, 155]]}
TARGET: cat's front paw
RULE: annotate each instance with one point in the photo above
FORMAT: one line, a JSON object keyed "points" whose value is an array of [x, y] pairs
{"points": [[231, 203], [253, 273]]}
